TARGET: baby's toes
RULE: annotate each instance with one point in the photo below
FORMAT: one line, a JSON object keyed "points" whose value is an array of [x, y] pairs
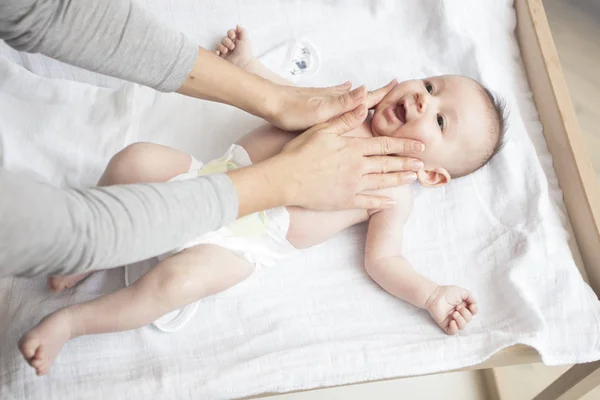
{"points": [[37, 363], [228, 43], [222, 49], [460, 321], [231, 33]]}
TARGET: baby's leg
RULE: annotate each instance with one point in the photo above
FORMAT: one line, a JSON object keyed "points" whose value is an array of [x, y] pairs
{"points": [[179, 280], [136, 163], [58, 283], [236, 48], [144, 163]]}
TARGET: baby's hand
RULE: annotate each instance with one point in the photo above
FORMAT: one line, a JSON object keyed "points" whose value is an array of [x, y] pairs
{"points": [[451, 307]]}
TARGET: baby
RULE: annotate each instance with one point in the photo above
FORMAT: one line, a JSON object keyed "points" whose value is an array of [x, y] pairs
{"points": [[459, 122]]}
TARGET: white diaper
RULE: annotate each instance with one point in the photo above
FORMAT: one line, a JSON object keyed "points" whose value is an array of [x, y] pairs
{"points": [[259, 238]]}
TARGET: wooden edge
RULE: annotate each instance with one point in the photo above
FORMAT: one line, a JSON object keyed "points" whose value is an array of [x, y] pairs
{"points": [[579, 380], [491, 383], [513, 355], [565, 141]]}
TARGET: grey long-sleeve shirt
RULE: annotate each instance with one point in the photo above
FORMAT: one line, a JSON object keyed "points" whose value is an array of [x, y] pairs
{"points": [[47, 230]]}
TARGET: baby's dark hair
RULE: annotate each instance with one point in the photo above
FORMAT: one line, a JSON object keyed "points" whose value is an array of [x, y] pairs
{"points": [[498, 111]]}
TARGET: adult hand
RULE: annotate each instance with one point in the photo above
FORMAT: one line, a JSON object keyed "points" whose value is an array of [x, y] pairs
{"points": [[299, 108], [287, 107], [323, 170]]}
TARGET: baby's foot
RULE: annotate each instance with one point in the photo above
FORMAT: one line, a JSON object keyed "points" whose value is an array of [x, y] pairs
{"points": [[236, 47], [452, 307], [41, 345], [58, 283]]}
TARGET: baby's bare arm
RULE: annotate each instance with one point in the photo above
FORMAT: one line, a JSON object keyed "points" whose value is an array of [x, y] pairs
{"points": [[450, 306], [383, 253]]}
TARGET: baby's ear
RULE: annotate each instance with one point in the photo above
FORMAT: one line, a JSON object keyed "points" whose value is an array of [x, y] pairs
{"points": [[433, 177]]}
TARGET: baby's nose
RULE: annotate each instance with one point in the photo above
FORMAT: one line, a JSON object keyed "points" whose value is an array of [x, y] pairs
{"points": [[422, 101]]}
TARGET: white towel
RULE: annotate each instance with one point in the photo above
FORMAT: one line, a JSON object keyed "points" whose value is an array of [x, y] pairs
{"points": [[318, 320]]}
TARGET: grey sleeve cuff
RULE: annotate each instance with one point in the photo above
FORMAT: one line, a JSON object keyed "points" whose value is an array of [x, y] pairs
{"points": [[181, 69]]}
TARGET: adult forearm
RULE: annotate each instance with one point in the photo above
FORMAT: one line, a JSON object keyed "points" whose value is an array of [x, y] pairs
{"points": [[46, 230], [261, 186], [213, 78], [120, 38]]}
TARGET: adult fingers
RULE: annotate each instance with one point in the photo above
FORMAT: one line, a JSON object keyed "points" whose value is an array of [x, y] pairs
{"points": [[368, 202], [335, 105], [382, 181], [384, 145], [347, 121], [384, 164], [325, 104], [340, 89], [375, 96], [328, 91]]}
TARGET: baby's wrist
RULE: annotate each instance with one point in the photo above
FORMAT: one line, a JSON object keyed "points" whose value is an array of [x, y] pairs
{"points": [[433, 295]]}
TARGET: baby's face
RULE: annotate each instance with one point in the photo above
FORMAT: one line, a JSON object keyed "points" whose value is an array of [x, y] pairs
{"points": [[448, 114]]}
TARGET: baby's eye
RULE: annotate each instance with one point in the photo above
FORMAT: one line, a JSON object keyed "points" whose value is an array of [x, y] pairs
{"points": [[429, 87], [440, 121]]}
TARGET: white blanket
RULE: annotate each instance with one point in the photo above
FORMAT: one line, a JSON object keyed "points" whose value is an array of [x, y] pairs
{"points": [[315, 320]]}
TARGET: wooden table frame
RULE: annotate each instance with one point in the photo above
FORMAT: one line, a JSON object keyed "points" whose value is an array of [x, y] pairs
{"points": [[573, 167]]}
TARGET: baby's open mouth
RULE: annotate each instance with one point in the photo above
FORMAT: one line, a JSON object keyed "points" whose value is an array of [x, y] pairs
{"points": [[401, 112]]}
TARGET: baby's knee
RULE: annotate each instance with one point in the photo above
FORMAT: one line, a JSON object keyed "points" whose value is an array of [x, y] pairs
{"points": [[128, 165], [176, 288]]}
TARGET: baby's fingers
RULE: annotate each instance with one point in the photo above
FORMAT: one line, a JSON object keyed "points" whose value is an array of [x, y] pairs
{"points": [[466, 314], [473, 308], [468, 297], [452, 328], [460, 321]]}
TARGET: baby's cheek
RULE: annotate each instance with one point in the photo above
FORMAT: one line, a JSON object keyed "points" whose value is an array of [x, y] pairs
{"points": [[416, 130], [378, 124]]}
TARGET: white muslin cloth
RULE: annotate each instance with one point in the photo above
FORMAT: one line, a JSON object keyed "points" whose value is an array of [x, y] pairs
{"points": [[316, 319]]}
